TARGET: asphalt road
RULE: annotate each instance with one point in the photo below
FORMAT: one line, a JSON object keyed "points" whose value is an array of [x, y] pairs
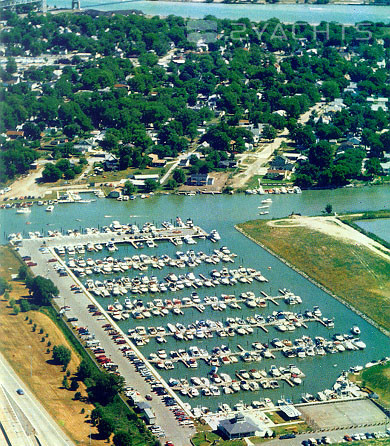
{"points": [[47, 431]]}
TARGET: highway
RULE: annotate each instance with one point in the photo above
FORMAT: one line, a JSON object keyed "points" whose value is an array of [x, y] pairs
{"points": [[47, 431]]}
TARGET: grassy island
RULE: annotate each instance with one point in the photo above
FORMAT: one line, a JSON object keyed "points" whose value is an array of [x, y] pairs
{"points": [[352, 266]]}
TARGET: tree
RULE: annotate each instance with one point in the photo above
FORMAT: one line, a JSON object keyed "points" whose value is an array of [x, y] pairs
{"points": [[269, 132], [171, 184], [11, 66], [105, 388], [71, 130], [74, 385], [25, 305], [150, 185], [51, 173], [330, 90], [129, 188], [23, 272], [179, 176], [328, 208], [97, 414], [4, 285], [85, 370], [373, 166], [123, 438], [321, 154], [42, 290], [303, 136], [61, 355], [32, 131], [65, 383], [106, 427]]}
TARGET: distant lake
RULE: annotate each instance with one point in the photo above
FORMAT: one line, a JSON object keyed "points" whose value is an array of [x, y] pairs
{"points": [[345, 14], [379, 227]]}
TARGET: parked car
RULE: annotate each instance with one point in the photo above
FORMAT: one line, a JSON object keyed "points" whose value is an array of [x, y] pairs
{"points": [[287, 436]]}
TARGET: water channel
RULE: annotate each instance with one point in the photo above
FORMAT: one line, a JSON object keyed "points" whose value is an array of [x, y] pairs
{"points": [[346, 14], [223, 212]]}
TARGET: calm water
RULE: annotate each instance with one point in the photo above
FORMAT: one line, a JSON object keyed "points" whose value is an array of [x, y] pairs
{"points": [[346, 14], [222, 212], [380, 227]]}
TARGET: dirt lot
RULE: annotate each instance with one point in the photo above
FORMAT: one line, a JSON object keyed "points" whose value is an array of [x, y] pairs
{"points": [[26, 349], [343, 414]]}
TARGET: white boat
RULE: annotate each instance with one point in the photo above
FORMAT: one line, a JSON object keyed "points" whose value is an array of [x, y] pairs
{"points": [[49, 208], [23, 211], [214, 235], [360, 344], [355, 330]]}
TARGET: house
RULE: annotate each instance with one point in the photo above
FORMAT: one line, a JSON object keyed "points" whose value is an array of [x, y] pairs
{"points": [[351, 88], [200, 179], [14, 134], [377, 103], [156, 161], [111, 162], [237, 427], [184, 162], [83, 146], [289, 412], [355, 140], [227, 164], [280, 162], [115, 193], [121, 87], [386, 166]]}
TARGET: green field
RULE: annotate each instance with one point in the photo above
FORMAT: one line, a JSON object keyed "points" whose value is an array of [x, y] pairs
{"points": [[352, 272]]}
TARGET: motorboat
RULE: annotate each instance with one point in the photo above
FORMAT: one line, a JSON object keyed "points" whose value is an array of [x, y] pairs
{"points": [[23, 210], [355, 330]]}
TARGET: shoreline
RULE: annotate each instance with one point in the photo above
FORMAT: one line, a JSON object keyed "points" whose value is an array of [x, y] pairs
{"points": [[314, 281]]}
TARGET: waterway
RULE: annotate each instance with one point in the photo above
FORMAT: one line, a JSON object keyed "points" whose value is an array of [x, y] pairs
{"points": [[379, 227], [345, 14], [223, 212]]}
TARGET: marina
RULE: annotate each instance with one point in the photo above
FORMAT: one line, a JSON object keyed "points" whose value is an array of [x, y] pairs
{"points": [[220, 332]]}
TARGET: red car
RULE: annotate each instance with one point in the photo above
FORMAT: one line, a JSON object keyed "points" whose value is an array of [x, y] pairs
{"points": [[31, 264], [347, 438]]}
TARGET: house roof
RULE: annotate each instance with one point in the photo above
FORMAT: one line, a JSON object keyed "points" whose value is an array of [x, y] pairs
{"points": [[15, 133], [290, 411], [238, 425]]}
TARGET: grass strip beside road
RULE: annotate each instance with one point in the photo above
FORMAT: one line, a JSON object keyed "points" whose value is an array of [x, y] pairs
{"points": [[351, 272]]}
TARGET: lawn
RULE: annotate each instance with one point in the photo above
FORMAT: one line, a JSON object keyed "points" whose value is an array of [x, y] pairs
{"points": [[206, 438], [351, 272], [376, 379]]}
